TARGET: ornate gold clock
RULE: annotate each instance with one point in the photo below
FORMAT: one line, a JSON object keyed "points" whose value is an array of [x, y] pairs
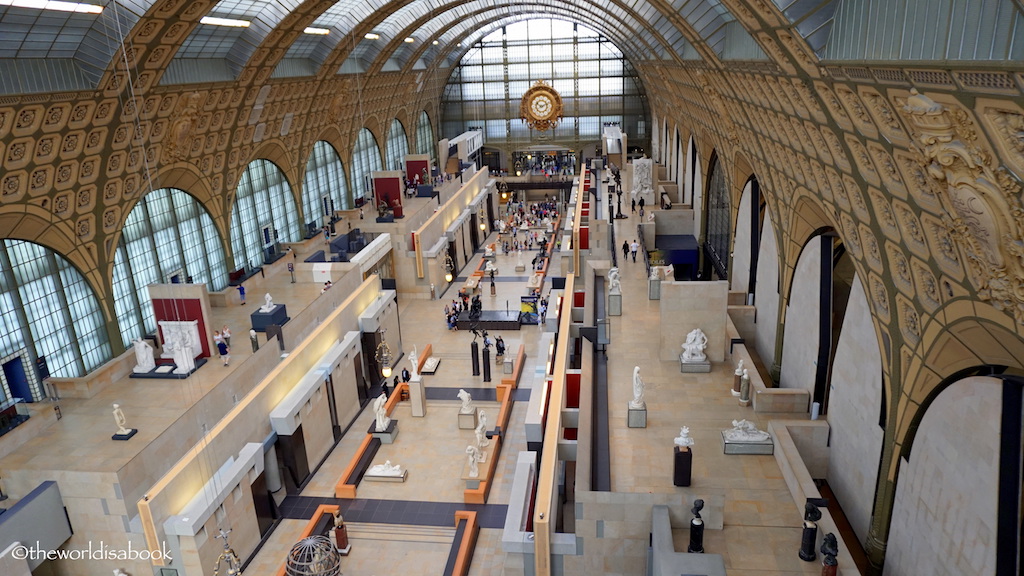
{"points": [[541, 106]]}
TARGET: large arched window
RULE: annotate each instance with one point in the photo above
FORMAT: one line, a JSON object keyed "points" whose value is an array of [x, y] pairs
{"points": [[264, 214], [48, 310], [325, 188], [425, 138], [168, 237], [718, 237], [365, 159], [398, 146]]}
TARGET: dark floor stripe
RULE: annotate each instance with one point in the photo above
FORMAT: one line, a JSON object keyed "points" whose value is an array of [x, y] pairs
{"points": [[481, 394], [415, 513]]}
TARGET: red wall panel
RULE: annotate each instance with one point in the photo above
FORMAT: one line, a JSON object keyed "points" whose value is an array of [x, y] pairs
{"points": [[179, 310]]}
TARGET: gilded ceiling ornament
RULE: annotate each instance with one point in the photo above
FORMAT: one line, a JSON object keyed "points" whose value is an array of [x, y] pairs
{"points": [[984, 207], [177, 144], [541, 106]]}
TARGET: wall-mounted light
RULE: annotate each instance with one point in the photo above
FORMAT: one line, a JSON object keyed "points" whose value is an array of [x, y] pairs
{"points": [[383, 356], [449, 268]]}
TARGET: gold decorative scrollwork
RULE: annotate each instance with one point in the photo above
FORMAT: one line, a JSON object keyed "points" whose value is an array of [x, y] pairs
{"points": [[541, 106]]}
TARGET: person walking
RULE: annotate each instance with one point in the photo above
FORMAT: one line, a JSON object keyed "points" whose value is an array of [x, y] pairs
{"points": [[625, 249], [241, 293], [226, 335], [633, 248], [224, 351], [633, 209]]}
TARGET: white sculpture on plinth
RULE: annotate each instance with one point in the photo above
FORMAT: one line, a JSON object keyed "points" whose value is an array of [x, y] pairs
{"points": [[467, 402], [473, 457], [382, 418], [490, 267], [181, 351], [642, 171], [637, 403], [481, 433], [655, 273], [519, 258], [144, 361], [489, 251], [120, 420], [693, 348], [414, 361], [739, 368], [614, 281], [684, 439], [385, 469], [745, 431], [268, 303]]}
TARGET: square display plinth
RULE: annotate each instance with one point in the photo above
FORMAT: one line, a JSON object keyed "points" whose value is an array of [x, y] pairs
{"points": [[260, 320], [764, 447], [693, 367], [682, 466], [468, 420], [131, 432], [382, 478], [387, 436], [637, 418], [615, 304]]}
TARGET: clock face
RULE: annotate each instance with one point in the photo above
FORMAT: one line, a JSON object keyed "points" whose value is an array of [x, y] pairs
{"points": [[541, 106]]}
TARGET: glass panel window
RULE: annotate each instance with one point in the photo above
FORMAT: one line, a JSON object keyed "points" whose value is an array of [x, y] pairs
{"points": [[365, 159], [263, 216], [324, 187], [397, 147]]}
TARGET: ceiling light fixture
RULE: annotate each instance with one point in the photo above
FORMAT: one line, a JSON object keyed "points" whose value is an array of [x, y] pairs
{"points": [[319, 31], [224, 22], [372, 36], [435, 42], [410, 40], [54, 5]]}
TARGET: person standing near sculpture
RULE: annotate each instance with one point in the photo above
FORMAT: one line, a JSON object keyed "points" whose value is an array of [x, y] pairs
{"points": [[241, 293], [226, 334]]}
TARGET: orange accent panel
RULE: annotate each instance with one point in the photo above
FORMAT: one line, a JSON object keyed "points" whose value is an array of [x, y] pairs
{"points": [[308, 530], [465, 555]]}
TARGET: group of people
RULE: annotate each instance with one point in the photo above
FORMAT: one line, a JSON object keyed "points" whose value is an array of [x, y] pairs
{"points": [[452, 311], [630, 248], [222, 339]]}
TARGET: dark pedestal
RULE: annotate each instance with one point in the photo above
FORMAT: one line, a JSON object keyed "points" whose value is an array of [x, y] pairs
{"points": [[487, 364], [131, 432], [397, 211], [385, 219], [829, 569], [341, 540], [808, 539], [474, 351], [277, 316], [696, 537], [682, 466]]}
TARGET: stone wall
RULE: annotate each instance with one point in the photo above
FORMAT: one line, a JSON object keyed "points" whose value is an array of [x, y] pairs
{"points": [[766, 293], [800, 339]]}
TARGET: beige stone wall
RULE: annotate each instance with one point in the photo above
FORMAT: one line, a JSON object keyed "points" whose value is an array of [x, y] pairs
{"points": [[739, 264], [803, 319], [766, 293], [944, 516], [695, 305]]}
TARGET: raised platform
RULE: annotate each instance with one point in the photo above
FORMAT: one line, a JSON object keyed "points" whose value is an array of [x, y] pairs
{"points": [[386, 477], [430, 366], [747, 446], [636, 418], [387, 436], [490, 320], [694, 367], [161, 371], [260, 320]]}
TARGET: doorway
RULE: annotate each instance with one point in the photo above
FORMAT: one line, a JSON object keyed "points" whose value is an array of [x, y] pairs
{"points": [[16, 375]]}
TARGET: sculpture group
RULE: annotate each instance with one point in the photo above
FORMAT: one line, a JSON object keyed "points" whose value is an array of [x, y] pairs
{"points": [[693, 348]]}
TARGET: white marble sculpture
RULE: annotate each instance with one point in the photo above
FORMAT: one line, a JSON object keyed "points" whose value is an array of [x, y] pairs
{"points": [[693, 348], [382, 418], [614, 281], [181, 352], [385, 469], [637, 403], [489, 252], [684, 439], [144, 361], [473, 457], [739, 368], [519, 258], [119, 572], [490, 267], [483, 420], [414, 362], [745, 431], [268, 303], [120, 420], [172, 331], [467, 402], [481, 433], [642, 170], [655, 273]]}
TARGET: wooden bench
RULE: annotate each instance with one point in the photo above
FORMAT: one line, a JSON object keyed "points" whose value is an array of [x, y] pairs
{"points": [[517, 368], [360, 462]]}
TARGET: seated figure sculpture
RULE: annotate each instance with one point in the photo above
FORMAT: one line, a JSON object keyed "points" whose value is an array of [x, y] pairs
{"points": [[745, 431], [693, 348], [268, 303], [382, 418]]}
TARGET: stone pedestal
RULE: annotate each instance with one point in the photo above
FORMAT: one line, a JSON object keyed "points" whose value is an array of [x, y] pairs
{"points": [[341, 540], [682, 466], [520, 267], [736, 384], [509, 366], [615, 304], [386, 477], [131, 432], [693, 367], [417, 397], [469, 420], [654, 289], [387, 436], [808, 540], [747, 446], [637, 417], [260, 320]]}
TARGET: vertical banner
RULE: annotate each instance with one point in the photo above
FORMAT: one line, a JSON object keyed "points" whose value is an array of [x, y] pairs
{"points": [[528, 310]]}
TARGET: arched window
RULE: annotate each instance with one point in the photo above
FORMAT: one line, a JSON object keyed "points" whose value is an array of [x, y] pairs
{"points": [[718, 237], [398, 146], [168, 237], [365, 159], [325, 188], [425, 138], [264, 215], [48, 309]]}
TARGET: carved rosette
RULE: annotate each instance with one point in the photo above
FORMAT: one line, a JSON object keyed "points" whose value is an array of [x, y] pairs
{"points": [[983, 206]]}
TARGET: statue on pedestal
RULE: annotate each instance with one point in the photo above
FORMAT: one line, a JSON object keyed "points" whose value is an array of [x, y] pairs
{"points": [[614, 281], [414, 361], [385, 469], [144, 361], [745, 431], [693, 348], [684, 439], [268, 303], [120, 420], [181, 351], [475, 308], [474, 457], [467, 401], [637, 403], [382, 418]]}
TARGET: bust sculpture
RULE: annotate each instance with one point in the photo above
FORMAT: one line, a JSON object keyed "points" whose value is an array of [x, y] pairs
{"points": [[745, 431], [144, 361], [467, 401], [268, 303], [614, 281], [684, 439], [120, 420], [382, 418], [338, 520], [693, 348], [637, 403]]}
